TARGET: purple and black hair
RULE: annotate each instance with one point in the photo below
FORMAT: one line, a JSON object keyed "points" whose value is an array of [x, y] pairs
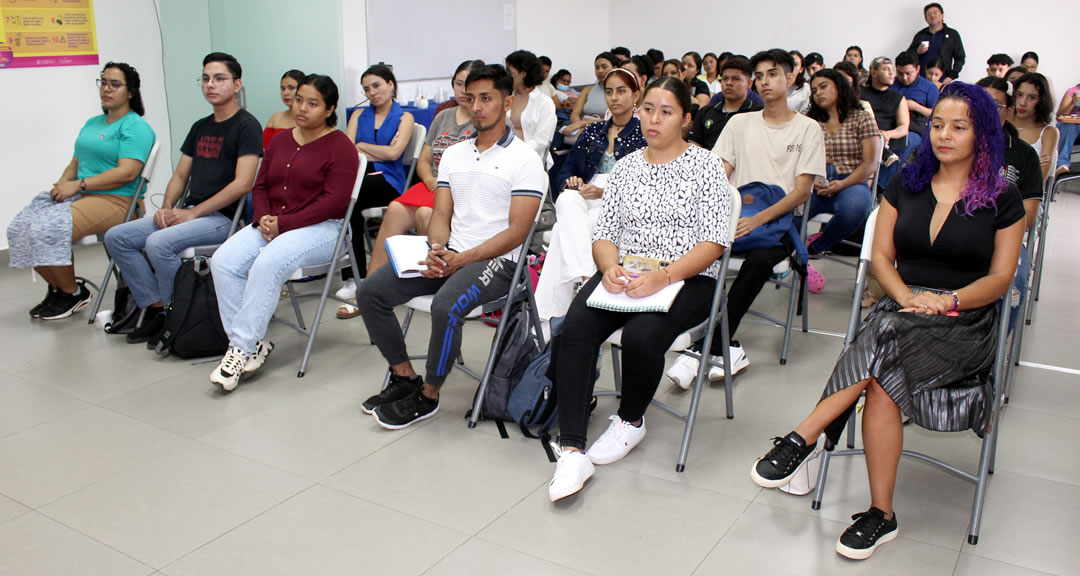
{"points": [[985, 181]]}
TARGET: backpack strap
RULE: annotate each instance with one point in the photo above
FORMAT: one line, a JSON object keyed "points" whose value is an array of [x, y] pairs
{"points": [[178, 309]]}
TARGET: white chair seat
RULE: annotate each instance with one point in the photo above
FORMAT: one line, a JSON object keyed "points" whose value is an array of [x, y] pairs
{"points": [[307, 271], [683, 342], [423, 304], [823, 218], [376, 212], [193, 251], [735, 264]]}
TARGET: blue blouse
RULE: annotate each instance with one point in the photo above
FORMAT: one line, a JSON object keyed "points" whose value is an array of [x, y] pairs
{"points": [[588, 153], [394, 170]]}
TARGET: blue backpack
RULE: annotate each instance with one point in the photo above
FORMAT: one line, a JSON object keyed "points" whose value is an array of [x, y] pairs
{"points": [[757, 196]]}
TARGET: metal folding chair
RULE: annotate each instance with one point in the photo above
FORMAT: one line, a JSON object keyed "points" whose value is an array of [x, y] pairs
{"points": [[409, 157], [133, 210], [989, 443], [521, 290], [343, 256], [704, 332]]}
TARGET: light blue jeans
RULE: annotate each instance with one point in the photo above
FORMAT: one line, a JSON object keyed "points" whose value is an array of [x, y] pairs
{"points": [[151, 278], [249, 272]]}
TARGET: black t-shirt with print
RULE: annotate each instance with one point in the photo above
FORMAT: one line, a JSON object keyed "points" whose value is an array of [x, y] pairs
{"points": [[710, 121], [214, 148], [1022, 168], [964, 247]]}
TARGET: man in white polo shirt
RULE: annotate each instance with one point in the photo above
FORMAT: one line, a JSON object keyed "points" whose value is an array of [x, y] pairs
{"points": [[489, 189]]}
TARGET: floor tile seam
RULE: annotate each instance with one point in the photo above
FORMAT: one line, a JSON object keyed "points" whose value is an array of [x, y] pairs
{"points": [[531, 555], [26, 510], [50, 420], [389, 508], [85, 535], [721, 539], [399, 434], [973, 551], [1012, 406], [687, 484]]}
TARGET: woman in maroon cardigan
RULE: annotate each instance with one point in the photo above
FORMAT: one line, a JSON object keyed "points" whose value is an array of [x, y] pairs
{"points": [[301, 195]]}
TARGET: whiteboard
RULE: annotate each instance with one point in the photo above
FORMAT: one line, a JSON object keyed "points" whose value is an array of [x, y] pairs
{"points": [[425, 39]]}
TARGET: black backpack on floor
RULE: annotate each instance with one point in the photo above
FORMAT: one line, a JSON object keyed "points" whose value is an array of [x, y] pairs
{"points": [[192, 323]]}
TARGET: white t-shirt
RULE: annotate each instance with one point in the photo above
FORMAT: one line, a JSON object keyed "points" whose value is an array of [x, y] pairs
{"points": [[775, 155], [482, 184]]}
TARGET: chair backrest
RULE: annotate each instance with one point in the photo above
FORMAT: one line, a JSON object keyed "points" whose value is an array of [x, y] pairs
{"points": [[143, 182], [736, 210], [877, 171], [412, 150], [868, 235]]}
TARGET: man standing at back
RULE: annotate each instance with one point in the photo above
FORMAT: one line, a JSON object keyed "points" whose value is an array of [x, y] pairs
{"points": [[776, 147], [487, 196], [939, 40], [217, 166]]}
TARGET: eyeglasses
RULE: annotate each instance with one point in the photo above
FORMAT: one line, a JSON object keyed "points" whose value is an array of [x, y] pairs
{"points": [[216, 80], [1001, 107], [459, 83], [112, 85]]}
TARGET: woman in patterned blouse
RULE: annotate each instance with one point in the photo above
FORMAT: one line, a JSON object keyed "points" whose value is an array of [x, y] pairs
{"points": [[584, 174], [852, 150], [668, 202]]}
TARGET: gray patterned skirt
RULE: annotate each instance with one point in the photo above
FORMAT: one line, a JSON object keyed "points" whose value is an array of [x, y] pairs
{"points": [[936, 368]]}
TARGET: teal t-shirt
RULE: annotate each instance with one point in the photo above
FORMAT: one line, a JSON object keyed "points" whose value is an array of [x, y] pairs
{"points": [[101, 145]]}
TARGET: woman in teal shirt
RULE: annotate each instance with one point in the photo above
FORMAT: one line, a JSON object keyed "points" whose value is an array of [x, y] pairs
{"points": [[92, 195]]}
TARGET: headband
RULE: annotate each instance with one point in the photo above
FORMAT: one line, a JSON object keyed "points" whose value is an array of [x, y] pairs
{"points": [[628, 76]]}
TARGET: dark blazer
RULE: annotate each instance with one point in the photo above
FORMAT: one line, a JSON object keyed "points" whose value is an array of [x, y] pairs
{"points": [[952, 50]]}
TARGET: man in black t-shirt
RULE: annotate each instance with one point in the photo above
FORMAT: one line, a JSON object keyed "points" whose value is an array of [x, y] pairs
{"points": [[217, 165], [735, 85], [891, 114]]}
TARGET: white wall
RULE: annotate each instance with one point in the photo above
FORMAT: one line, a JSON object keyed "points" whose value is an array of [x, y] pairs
{"points": [[44, 108], [881, 29]]}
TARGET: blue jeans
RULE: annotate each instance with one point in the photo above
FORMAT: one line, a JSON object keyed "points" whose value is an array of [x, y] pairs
{"points": [[887, 172], [1019, 287], [849, 208], [151, 277], [1069, 133], [249, 272]]}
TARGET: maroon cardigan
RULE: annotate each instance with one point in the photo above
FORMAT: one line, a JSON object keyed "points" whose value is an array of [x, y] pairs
{"points": [[305, 185]]}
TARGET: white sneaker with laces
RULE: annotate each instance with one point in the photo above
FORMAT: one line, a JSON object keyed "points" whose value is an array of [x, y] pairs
{"points": [[738, 362], [348, 291], [683, 371], [262, 351], [617, 441], [228, 372], [572, 469]]}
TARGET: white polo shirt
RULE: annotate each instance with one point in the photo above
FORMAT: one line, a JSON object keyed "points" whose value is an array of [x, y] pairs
{"points": [[482, 184]]}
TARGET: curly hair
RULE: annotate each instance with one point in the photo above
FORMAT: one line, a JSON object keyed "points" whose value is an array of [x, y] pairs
{"points": [[846, 102], [131, 78], [985, 182], [1044, 108]]}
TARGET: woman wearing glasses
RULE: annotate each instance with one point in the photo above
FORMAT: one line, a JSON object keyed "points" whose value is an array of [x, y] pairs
{"points": [[92, 194]]}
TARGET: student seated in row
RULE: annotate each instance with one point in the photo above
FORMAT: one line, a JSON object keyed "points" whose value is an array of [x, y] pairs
{"points": [[735, 77], [945, 250], [92, 195], [488, 192], [301, 196], [668, 202], [217, 165]]}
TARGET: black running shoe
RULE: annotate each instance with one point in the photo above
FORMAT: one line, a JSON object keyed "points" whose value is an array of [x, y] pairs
{"points": [[782, 462], [401, 413], [869, 531], [398, 388], [153, 324], [64, 304], [50, 294]]}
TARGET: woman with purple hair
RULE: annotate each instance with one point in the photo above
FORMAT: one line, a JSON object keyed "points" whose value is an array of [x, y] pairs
{"points": [[945, 250]]}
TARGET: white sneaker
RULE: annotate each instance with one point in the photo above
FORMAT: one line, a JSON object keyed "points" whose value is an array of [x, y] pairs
{"points": [[738, 362], [571, 471], [348, 291], [262, 351], [227, 374], [617, 441], [683, 371]]}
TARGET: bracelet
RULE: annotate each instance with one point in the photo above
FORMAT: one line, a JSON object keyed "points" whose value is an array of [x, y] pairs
{"points": [[956, 301], [668, 275]]}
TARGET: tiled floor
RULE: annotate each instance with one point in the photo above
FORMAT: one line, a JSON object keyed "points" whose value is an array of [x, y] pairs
{"points": [[115, 462]]}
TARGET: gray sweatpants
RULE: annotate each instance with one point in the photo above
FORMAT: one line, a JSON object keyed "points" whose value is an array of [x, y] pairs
{"points": [[456, 296]]}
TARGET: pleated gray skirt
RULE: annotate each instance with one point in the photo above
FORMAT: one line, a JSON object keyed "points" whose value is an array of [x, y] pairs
{"points": [[936, 368]]}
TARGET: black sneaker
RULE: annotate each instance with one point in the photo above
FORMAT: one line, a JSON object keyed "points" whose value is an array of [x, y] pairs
{"points": [[398, 388], [153, 324], [401, 413], [869, 531], [782, 462], [64, 304], [50, 294]]}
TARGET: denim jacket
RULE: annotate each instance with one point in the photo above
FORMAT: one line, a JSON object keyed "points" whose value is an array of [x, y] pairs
{"points": [[585, 157]]}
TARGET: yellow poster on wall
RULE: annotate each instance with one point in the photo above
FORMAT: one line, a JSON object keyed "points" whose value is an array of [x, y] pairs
{"points": [[39, 33]]}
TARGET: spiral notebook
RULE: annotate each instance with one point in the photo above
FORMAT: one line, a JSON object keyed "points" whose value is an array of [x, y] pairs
{"points": [[406, 252], [659, 302]]}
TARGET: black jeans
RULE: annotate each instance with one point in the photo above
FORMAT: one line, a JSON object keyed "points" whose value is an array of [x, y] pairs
{"points": [[374, 193], [645, 341], [754, 273]]}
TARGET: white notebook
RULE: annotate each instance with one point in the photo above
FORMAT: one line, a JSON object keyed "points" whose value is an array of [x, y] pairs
{"points": [[405, 253], [659, 302]]}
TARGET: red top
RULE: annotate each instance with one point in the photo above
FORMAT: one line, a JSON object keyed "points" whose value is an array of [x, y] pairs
{"points": [[305, 185], [268, 135], [445, 105]]}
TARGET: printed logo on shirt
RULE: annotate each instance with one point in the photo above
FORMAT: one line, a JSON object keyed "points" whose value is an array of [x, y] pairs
{"points": [[1012, 175], [209, 147], [794, 148]]}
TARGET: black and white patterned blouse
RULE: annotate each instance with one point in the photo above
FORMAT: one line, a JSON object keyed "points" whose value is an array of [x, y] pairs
{"points": [[664, 210]]}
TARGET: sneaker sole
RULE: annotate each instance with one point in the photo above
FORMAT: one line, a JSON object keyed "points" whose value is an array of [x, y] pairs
{"points": [[575, 491], [863, 554], [249, 373], [735, 369], [766, 483], [604, 462], [73, 310], [375, 415], [224, 385], [369, 411]]}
